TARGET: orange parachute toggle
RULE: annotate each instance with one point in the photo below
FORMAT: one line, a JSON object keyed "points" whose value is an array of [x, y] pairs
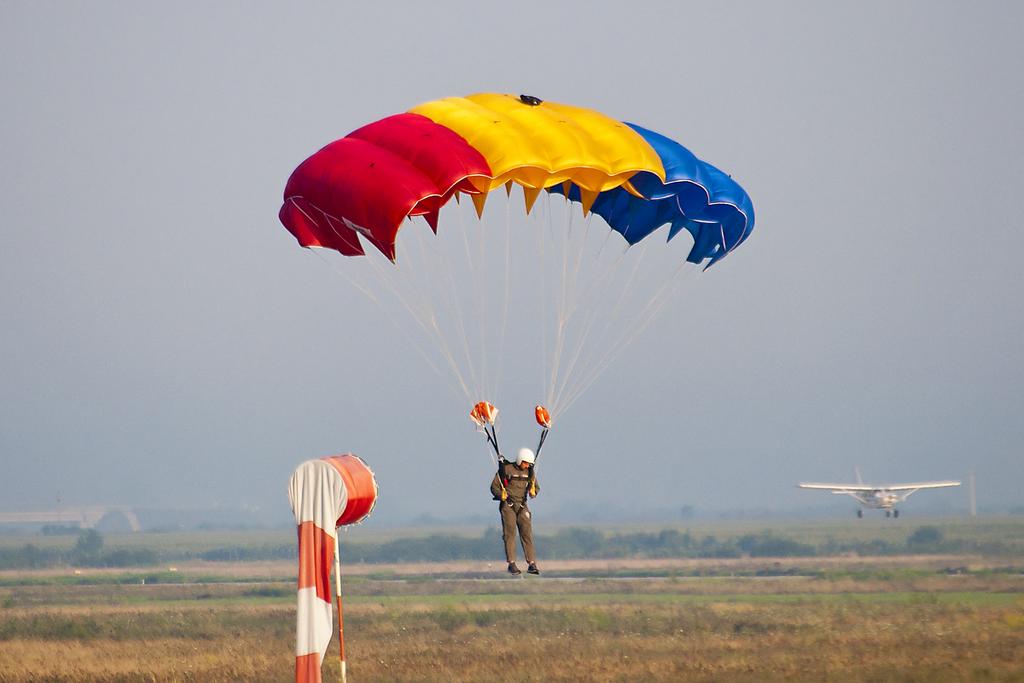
{"points": [[543, 417], [483, 412]]}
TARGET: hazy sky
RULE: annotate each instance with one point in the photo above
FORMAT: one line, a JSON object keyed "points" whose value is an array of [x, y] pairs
{"points": [[166, 343]]}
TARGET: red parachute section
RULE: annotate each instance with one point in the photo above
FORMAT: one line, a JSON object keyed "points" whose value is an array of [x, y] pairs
{"points": [[372, 179]]}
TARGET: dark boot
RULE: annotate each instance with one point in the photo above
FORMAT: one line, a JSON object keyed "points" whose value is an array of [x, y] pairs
{"points": [[513, 569], [532, 569]]}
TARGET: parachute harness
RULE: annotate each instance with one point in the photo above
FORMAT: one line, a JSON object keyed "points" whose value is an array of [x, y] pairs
{"points": [[485, 415]]}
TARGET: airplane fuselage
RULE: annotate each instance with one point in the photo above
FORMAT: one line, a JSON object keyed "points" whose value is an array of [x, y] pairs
{"points": [[879, 500]]}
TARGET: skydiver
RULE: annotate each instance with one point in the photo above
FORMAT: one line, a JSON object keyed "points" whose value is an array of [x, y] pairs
{"points": [[513, 484]]}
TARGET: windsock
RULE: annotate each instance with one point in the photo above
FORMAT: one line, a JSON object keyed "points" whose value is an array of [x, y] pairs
{"points": [[324, 494]]}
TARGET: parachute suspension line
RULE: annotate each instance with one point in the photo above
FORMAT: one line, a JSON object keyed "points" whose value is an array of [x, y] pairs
{"points": [[598, 285], [492, 441], [579, 262], [506, 296], [556, 355], [651, 312], [560, 323], [479, 268], [397, 275], [607, 237], [416, 287], [493, 450], [648, 315], [392, 286], [551, 225], [476, 302], [575, 299], [376, 301], [611, 318], [427, 321], [625, 323], [456, 307], [479, 380], [559, 342], [543, 292]]}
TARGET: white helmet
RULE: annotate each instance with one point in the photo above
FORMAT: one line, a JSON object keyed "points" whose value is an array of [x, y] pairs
{"points": [[525, 455]]}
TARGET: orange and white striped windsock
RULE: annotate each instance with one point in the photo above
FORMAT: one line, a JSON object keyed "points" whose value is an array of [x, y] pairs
{"points": [[324, 494]]}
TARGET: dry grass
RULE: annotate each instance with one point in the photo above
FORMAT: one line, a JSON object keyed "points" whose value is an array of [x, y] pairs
{"points": [[914, 627]]}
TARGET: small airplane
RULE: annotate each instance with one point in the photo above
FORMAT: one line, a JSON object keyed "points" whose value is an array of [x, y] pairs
{"points": [[882, 497]]}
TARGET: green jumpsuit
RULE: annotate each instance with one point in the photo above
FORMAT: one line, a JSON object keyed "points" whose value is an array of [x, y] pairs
{"points": [[514, 512]]}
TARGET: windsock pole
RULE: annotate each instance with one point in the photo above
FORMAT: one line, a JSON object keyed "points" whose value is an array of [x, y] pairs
{"points": [[341, 624]]}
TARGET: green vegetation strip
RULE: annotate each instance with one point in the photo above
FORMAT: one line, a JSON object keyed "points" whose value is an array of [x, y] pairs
{"points": [[89, 548], [552, 599]]}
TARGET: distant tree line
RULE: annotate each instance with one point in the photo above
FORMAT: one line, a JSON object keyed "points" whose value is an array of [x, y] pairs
{"points": [[88, 551], [578, 543], [571, 543]]}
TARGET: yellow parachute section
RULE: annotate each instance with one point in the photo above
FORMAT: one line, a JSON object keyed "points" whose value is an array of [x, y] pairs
{"points": [[543, 144]]}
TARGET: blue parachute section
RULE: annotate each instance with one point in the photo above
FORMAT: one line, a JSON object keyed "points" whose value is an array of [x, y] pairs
{"points": [[696, 197]]}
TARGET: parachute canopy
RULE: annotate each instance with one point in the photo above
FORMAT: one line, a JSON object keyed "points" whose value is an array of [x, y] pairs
{"points": [[367, 183], [569, 296]]}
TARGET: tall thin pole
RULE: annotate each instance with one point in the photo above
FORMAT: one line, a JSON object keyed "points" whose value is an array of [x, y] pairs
{"points": [[337, 591], [973, 496]]}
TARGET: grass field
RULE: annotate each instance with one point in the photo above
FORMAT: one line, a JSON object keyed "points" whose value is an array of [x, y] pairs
{"points": [[912, 617], [850, 621]]}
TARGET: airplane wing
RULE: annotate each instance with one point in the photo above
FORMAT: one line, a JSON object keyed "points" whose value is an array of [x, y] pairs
{"points": [[839, 487], [922, 485]]}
